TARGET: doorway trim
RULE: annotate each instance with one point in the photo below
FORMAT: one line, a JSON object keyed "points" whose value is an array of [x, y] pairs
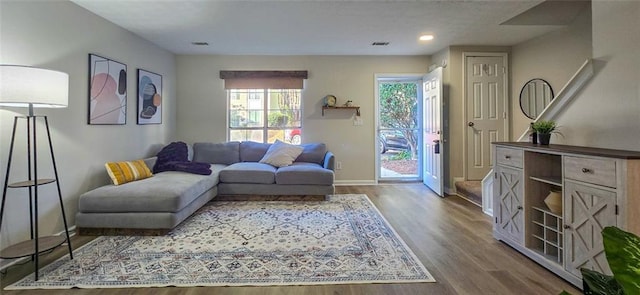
{"points": [[507, 101], [393, 77]]}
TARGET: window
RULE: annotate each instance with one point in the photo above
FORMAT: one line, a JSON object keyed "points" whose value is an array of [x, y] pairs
{"points": [[264, 115], [264, 105]]}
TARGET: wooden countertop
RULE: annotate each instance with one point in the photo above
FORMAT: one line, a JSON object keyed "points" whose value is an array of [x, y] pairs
{"points": [[560, 148]]}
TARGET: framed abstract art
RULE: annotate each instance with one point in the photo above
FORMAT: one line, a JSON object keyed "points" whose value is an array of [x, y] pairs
{"points": [[149, 98], [107, 91]]}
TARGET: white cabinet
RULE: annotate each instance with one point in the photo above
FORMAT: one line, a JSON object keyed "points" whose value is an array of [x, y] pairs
{"points": [[600, 187], [587, 211], [508, 203]]}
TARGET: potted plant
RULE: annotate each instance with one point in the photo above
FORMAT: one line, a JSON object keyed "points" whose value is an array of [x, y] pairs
{"points": [[622, 250], [544, 129]]}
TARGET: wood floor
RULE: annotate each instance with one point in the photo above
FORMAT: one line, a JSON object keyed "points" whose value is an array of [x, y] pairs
{"points": [[451, 236]]}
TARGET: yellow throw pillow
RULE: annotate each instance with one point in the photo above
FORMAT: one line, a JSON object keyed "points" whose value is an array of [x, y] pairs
{"points": [[123, 172]]}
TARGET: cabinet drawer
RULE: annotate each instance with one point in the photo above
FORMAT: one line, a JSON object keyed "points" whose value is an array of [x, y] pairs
{"points": [[596, 171], [511, 157]]}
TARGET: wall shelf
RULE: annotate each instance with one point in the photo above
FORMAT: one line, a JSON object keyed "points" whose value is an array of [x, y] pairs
{"points": [[342, 108]]}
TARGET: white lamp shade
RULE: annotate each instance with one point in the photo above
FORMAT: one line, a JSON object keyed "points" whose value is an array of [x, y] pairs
{"points": [[21, 86]]}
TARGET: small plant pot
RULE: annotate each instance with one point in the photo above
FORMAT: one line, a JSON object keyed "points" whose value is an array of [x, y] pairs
{"points": [[544, 138]]}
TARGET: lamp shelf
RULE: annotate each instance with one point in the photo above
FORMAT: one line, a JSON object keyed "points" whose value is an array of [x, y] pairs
{"points": [[342, 108], [52, 91], [37, 244], [31, 183], [27, 248]]}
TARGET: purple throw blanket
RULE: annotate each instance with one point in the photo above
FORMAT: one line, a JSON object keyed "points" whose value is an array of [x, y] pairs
{"points": [[174, 157]]}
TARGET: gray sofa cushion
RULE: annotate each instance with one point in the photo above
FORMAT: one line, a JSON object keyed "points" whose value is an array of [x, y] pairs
{"points": [[312, 153], [304, 173], [217, 153], [251, 151], [274, 189], [143, 220], [248, 172], [168, 191]]}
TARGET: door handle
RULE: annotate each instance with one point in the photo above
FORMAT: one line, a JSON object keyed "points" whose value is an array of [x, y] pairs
{"points": [[471, 124], [436, 141]]}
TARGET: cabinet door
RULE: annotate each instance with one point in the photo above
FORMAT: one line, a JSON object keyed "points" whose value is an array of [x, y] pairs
{"points": [[508, 205], [587, 210]]}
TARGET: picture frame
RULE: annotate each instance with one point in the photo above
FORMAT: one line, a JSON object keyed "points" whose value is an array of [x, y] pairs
{"points": [[149, 96], [107, 91]]}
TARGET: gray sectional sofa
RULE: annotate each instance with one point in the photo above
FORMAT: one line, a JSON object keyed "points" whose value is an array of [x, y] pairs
{"points": [[157, 204]]}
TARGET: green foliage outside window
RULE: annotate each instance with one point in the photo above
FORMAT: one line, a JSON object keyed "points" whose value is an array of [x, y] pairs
{"points": [[400, 104]]}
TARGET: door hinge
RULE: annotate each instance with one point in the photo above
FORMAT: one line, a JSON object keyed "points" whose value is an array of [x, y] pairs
{"points": [[496, 218], [504, 115], [495, 175], [616, 209], [504, 70]]}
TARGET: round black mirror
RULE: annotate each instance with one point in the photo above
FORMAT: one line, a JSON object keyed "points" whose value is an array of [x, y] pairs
{"points": [[534, 97]]}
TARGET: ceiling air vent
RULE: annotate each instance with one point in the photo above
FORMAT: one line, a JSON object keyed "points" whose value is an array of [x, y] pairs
{"points": [[380, 43], [200, 43]]}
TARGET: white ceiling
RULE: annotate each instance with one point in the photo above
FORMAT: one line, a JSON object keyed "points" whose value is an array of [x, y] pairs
{"points": [[316, 27]]}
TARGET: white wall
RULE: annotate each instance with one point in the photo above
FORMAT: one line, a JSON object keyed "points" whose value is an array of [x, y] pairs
{"points": [[607, 113], [59, 35], [202, 103], [554, 57]]}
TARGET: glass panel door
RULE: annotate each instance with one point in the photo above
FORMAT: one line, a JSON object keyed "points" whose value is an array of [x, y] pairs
{"points": [[399, 133]]}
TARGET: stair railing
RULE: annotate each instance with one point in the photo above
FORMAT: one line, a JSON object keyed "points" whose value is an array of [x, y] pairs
{"points": [[551, 112]]}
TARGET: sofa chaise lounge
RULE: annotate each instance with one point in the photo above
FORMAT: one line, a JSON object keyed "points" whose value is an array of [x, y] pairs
{"points": [[157, 204]]}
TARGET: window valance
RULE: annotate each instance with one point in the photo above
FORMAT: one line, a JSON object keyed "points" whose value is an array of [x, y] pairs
{"points": [[263, 79]]}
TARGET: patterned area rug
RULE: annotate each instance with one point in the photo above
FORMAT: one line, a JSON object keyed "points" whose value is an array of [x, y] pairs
{"points": [[344, 240]]}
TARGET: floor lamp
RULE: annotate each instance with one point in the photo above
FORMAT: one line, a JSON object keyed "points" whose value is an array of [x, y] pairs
{"points": [[22, 86]]}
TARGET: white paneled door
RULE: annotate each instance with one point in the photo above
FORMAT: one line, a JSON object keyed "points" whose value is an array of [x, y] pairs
{"points": [[432, 131], [486, 110]]}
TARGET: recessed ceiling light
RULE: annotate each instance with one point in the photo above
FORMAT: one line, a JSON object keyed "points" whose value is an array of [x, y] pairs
{"points": [[426, 37], [200, 43]]}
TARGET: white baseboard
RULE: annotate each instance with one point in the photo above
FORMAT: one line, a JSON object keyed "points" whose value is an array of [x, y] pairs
{"points": [[354, 182], [11, 262], [450, 191]]}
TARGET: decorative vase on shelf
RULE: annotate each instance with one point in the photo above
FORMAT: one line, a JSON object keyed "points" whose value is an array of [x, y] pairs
{"points": [[554, 201]]}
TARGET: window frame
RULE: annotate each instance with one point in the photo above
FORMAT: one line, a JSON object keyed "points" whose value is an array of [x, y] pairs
{"points": [[265, 108]]}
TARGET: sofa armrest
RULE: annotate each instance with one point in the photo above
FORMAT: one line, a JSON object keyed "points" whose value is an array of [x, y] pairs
{"points": [[329, 161]]}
